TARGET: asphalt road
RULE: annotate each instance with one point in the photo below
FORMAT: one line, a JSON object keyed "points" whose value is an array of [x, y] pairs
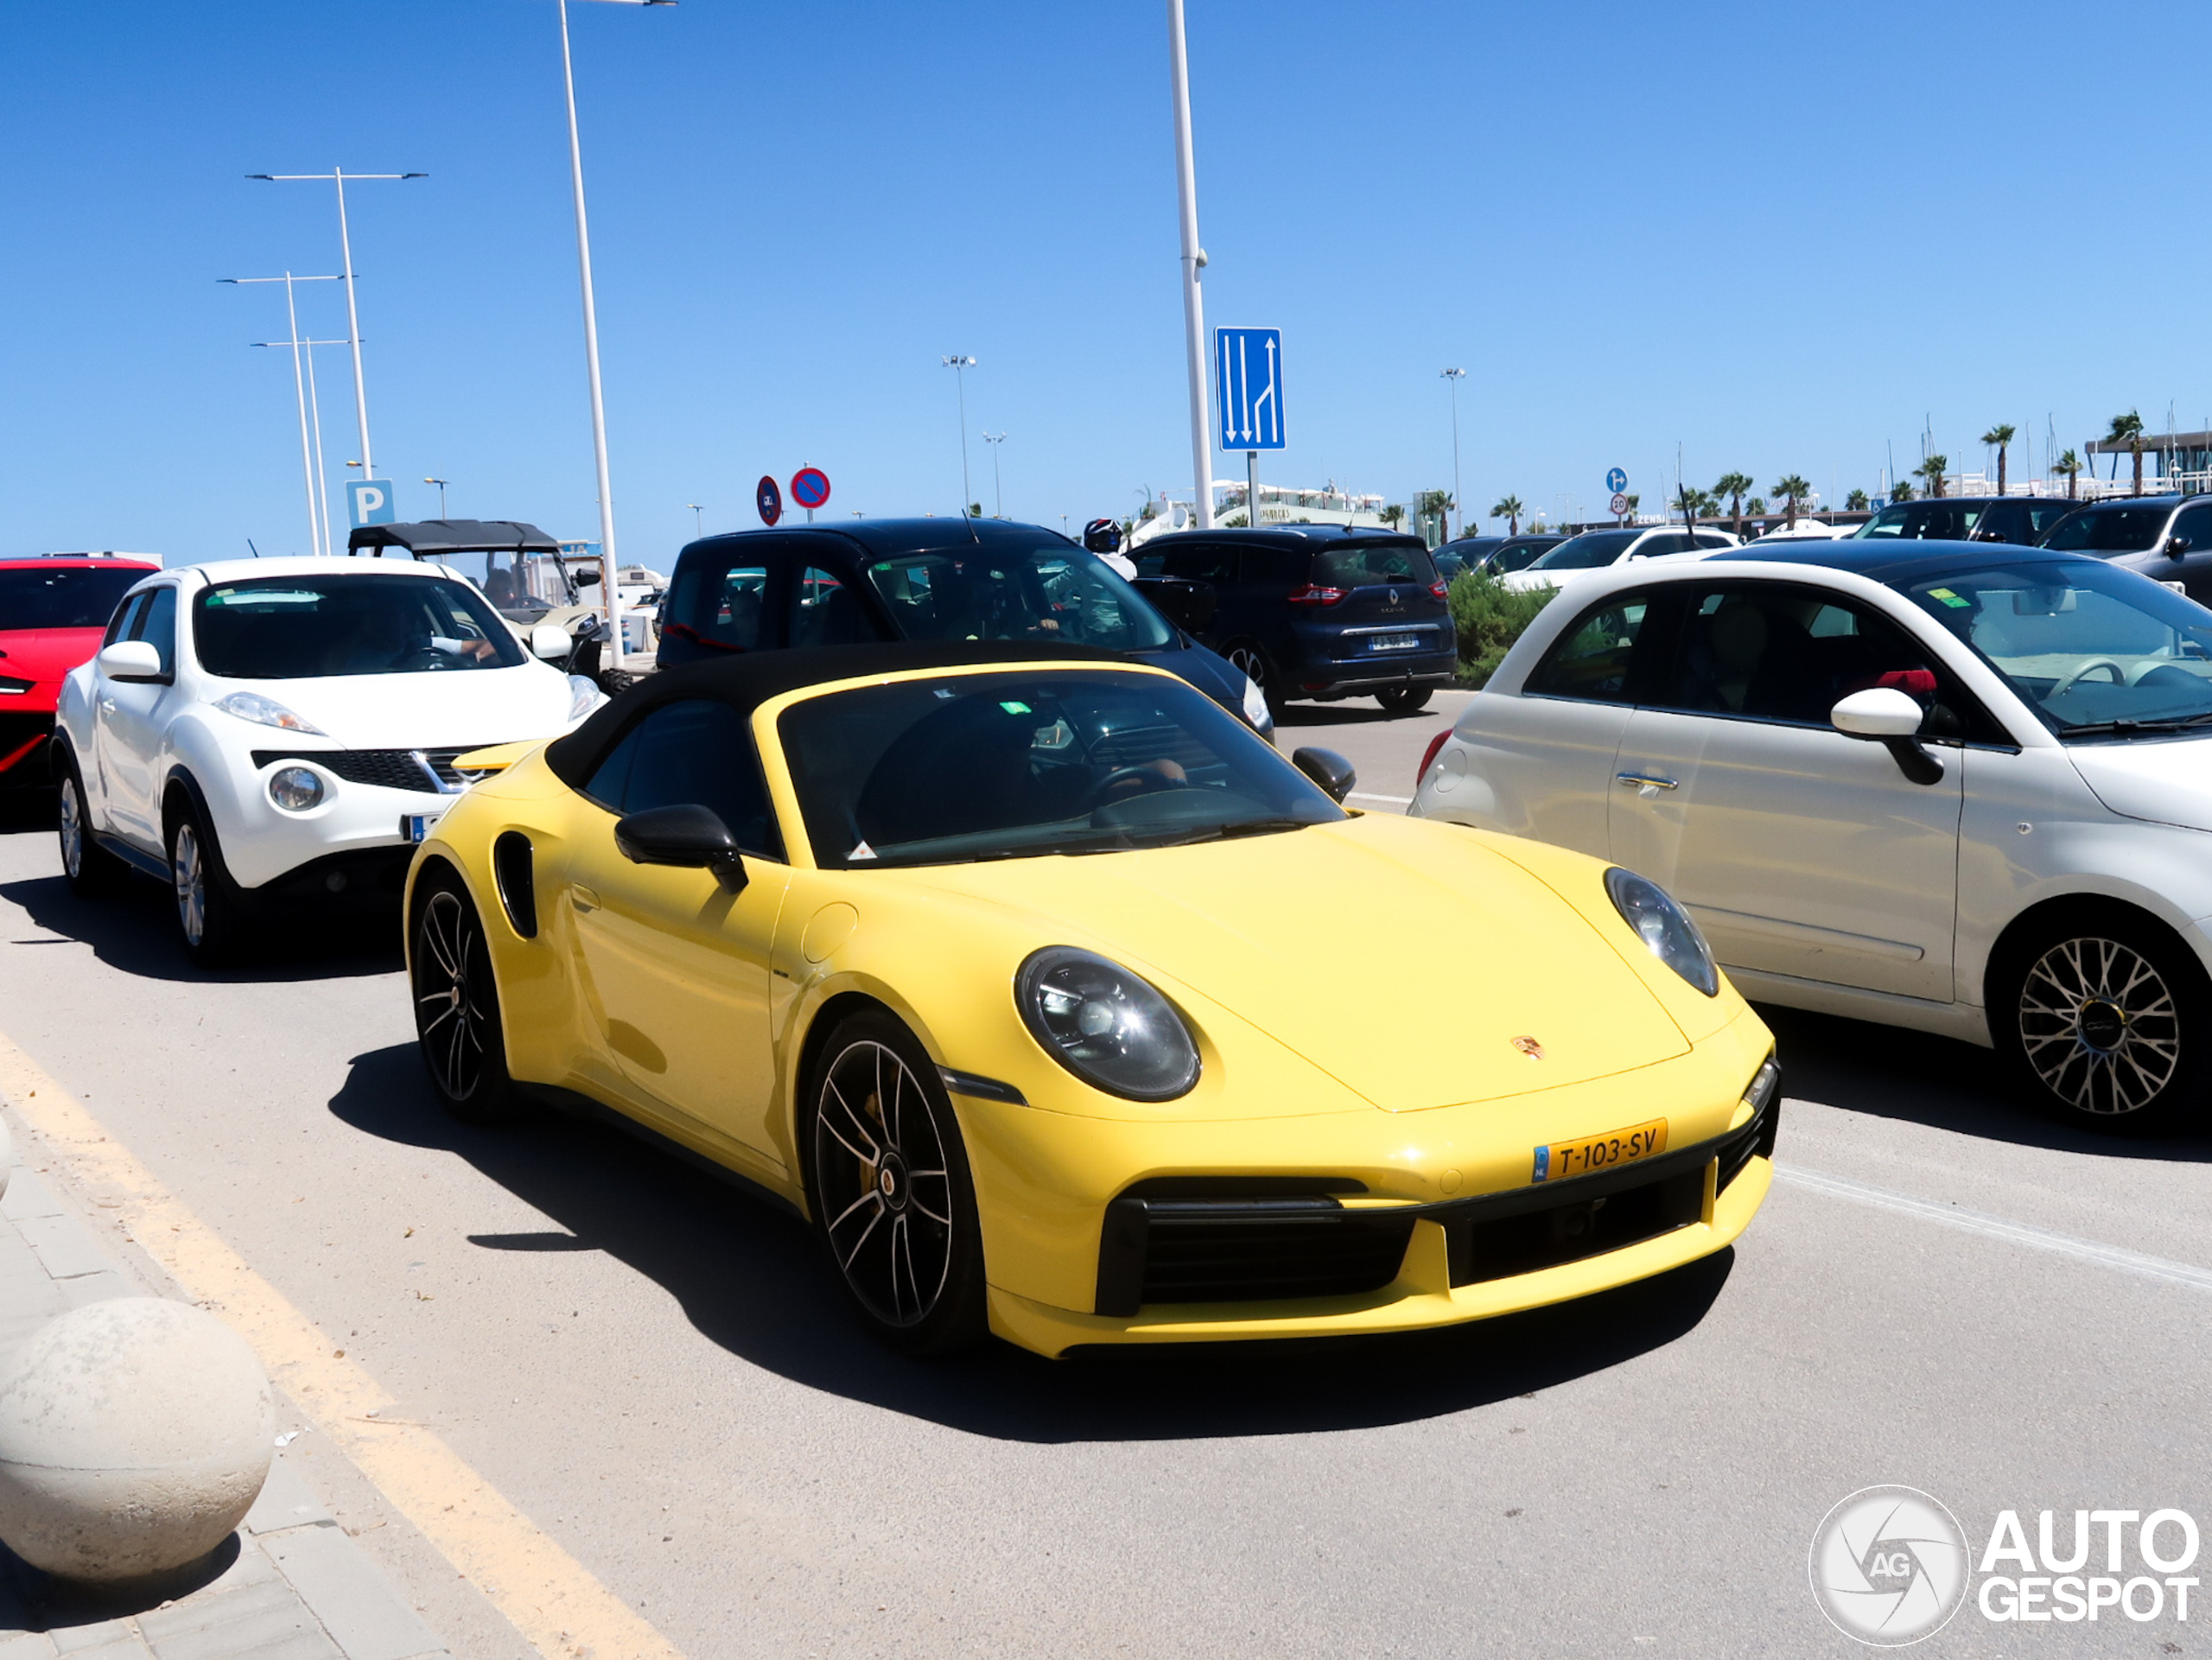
{"points": [[659, 1373]]}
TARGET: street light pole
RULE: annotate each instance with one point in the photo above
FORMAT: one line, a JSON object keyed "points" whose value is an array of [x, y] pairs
{"points": [[441, 483], [998, 489], [1194, 259], [960, 367], [338, 176], [698, 520], [1453, 376], [310, 462]]}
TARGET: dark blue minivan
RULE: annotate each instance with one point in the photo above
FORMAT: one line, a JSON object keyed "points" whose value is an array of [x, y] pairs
{"points": [[883, 578]]}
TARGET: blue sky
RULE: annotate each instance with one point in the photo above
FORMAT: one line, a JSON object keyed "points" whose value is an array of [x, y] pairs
{"points": [[1780, 236]]}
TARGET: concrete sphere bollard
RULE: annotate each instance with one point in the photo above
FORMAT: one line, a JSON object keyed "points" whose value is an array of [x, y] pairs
{"points": [[134, 1435]]}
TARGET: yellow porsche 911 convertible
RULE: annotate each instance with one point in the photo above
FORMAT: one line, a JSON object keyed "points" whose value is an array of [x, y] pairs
{"points": [[1066, 1009]]}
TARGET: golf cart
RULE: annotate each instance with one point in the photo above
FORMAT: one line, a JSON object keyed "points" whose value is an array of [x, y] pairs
{"points": [[517, 567]]}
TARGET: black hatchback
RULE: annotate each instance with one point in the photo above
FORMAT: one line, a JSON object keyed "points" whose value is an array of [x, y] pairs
{"points": [[1320, 611], [884, 578]]}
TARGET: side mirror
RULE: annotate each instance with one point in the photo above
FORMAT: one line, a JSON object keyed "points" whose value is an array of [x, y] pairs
{"points": [[549, 641], [131, 660], [1885, 715], [1189, 606], [587, 579], [1328, 769], [2176, 546], [689, 836]]}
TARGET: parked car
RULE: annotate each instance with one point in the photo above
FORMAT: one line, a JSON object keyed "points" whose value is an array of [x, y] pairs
{"points": [[1319, 611], [799, 912], [2168, 539], [884, 579], [516, 566], [1955, 787], [1574, 559], [1492, 556], [2024, 519], [51, 611], [273, 736]]}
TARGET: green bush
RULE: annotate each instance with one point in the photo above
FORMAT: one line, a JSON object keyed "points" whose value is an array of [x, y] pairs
{"points": [[1489, 618]]}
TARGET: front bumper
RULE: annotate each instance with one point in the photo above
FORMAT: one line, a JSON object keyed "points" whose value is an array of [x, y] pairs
{"points": [[25, 736], [356, 832]]}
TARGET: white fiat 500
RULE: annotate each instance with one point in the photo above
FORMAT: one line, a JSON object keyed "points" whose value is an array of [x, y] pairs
{"points": [[272, 736], [1943, 786]]}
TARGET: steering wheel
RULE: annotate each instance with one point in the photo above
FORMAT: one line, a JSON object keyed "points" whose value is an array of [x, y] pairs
{"points": [[1122, 775], [2066, 683]]}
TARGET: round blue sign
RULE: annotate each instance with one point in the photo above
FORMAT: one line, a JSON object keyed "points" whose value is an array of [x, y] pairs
{"points": [[809, 488], [769, 499], [1617, 480]]}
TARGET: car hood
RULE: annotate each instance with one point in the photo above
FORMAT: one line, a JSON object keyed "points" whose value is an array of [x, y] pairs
{"points": [[419, 711], [45, 653], [2165, 780], [1401, 957]]}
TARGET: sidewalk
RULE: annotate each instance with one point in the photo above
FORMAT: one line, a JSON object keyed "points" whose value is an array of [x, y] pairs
{"points": [[291, 1585]]}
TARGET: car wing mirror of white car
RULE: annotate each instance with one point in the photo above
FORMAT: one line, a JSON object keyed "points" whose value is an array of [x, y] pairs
{"points": [[131, 660], [548, 640], [1885, 715]]}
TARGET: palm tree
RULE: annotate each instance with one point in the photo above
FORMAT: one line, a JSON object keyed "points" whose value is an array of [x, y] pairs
{"points": [[1795, 488], [2001, 436], [1436, 505], [1855, 502], [1393, 515], [1634, 502], [1900, 491], [1932, 470], [1510, 509], [1735, 487], [1757, 507], [2070, 464], [1689, 502], [2128, 429]]}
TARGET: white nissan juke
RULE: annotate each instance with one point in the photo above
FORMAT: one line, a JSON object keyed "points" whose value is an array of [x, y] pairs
{"points": [[272, 737]]}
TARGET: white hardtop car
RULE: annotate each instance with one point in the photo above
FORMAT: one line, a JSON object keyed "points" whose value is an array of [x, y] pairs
{"points": [[1577, 557], [1953, 787], [276, 734]]}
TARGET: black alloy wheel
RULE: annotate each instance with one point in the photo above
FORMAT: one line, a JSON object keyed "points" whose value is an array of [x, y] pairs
{"points": [[1403, 700], [888, 1183], [457, 1008], [92, 871], [2105, 1019], [209, 913]]}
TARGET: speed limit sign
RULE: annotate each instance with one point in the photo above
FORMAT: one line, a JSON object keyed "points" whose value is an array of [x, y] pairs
{"points": [[1620, 505]]}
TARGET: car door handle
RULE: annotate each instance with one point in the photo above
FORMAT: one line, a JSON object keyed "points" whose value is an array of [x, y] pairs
{"points": [[584, 898], [107, 705], [1639, 781]]}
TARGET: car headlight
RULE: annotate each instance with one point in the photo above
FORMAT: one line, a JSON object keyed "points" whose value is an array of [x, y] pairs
{"points": [[1665, 928], [583, 696], [1105, 1025], [267, 711], [295, 789], [1255, 707]]}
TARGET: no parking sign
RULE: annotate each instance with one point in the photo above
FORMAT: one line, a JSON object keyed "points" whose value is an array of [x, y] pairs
{"points": [[769, 499], [809, 488]]}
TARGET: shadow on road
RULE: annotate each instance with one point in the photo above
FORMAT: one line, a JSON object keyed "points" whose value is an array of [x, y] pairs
{"points": [[1885, 1071], [1358, 711], [751, 1279], [136, 932]]}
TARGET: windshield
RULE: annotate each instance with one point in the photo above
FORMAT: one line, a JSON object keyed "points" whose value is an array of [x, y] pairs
{"points": [[954, 768], [1050, 593], [303, 627], [62, 597], [2112, 530], [2096, 652], [518, 584], [1585, 552], [1518, 556], [1925, 521], [1360, 566]]}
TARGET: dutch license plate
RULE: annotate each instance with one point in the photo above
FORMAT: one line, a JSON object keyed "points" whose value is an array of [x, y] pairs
{"points": [[1393, 642], [414, 826], [1563, 1158]]}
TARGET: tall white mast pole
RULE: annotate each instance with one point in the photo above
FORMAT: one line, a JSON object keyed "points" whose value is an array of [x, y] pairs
{"points": [[1194, 258]]}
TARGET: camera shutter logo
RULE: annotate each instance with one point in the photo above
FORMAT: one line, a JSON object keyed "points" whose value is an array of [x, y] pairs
{"points": [[1889, 1566]]}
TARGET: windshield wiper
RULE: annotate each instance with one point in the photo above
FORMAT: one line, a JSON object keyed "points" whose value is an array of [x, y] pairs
{"points": [[2123, 727], [1227, 832]]}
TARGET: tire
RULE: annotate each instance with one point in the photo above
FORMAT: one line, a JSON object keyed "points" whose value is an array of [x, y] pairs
{"points": [[457, 1026], [93, 872], [2103, 1015], [888, 1185], [1249, 660], [209, 914], [1403, 700]]}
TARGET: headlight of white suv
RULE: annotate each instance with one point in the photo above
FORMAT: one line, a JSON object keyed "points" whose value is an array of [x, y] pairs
{"points": [[267, 711], [1255, 707], [583, 696]]}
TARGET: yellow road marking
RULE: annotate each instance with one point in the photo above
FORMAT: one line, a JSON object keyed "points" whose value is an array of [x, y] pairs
{"points": [[548, 1596]]}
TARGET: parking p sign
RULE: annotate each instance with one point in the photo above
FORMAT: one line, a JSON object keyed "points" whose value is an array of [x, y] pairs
{"points": [[368, 501]]}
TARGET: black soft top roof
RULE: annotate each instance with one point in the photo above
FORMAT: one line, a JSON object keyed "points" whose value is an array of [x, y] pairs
{"points": [[748, 681], [436, 536]]}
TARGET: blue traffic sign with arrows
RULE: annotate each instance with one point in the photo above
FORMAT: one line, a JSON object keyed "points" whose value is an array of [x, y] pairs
{"points": [[1617, 480], [1248, 388]]}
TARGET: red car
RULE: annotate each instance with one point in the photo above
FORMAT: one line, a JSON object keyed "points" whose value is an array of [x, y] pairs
{"points": [[53, 611]]}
